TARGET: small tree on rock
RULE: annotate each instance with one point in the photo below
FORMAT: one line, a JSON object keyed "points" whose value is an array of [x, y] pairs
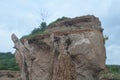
{"points": [[43, 24], [44, 16]]}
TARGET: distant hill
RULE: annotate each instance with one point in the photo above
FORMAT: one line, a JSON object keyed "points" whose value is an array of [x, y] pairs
{"points": [[112, 72], [7, 61]]}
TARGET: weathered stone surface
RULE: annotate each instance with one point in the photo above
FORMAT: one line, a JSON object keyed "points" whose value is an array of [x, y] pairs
{"points": [[69, 54], [83, 22]]}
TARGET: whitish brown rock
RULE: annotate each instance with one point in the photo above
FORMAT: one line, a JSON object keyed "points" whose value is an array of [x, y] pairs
{"points": [[68, 53]]}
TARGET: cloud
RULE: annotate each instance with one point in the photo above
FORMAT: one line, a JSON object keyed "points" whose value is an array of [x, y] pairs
{"points": [[113, 56], [5, 42]]}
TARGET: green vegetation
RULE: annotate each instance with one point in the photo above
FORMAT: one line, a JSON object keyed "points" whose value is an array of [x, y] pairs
{"points": [[106, 37], [62, 18], [32, 35], [37, 31], [112, 72], [7, 61], [113, 68], [59, 19], [41, 28]]}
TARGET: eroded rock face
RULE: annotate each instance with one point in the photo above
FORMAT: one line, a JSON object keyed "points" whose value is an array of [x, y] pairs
{"points": [[69, 54], [83, 22]]}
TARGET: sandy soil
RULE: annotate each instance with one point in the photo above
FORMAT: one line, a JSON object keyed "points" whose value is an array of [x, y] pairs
{"points": [[9, 75], [6, 78]]}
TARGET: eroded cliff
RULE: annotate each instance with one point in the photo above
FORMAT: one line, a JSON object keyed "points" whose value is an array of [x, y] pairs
{"points": [[72, 49]]}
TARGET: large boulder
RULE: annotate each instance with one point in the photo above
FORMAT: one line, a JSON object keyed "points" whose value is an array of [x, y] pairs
{"points": [[73, 49]]}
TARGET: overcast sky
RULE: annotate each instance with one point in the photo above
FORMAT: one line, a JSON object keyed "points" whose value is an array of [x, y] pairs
{"points": [[22, 16]]}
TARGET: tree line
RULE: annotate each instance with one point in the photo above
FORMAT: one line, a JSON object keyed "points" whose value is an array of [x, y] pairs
{"points": [[7, 61]]}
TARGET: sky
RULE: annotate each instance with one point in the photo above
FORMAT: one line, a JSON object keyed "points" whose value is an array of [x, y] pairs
{"points": [[22, 16]]}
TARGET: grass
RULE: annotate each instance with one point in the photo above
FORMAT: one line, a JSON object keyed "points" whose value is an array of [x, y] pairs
{"points": [[33, 35], [112, 73], [59, 19]]}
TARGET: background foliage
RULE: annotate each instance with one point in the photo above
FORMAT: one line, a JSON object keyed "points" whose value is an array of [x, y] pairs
{"points": [[7, 61]]}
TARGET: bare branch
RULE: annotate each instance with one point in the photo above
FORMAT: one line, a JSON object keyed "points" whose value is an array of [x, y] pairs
{"points": [[43, 15]]}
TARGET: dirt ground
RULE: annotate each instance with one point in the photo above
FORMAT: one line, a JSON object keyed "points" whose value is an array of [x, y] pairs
{"points": [[9, 75], [6, 78]]}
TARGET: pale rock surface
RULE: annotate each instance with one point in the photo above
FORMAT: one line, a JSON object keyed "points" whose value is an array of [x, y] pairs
{"points": [[67, 52]]}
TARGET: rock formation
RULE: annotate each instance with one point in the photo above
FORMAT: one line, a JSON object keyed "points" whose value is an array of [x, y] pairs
{"points": [[72, 49]]}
